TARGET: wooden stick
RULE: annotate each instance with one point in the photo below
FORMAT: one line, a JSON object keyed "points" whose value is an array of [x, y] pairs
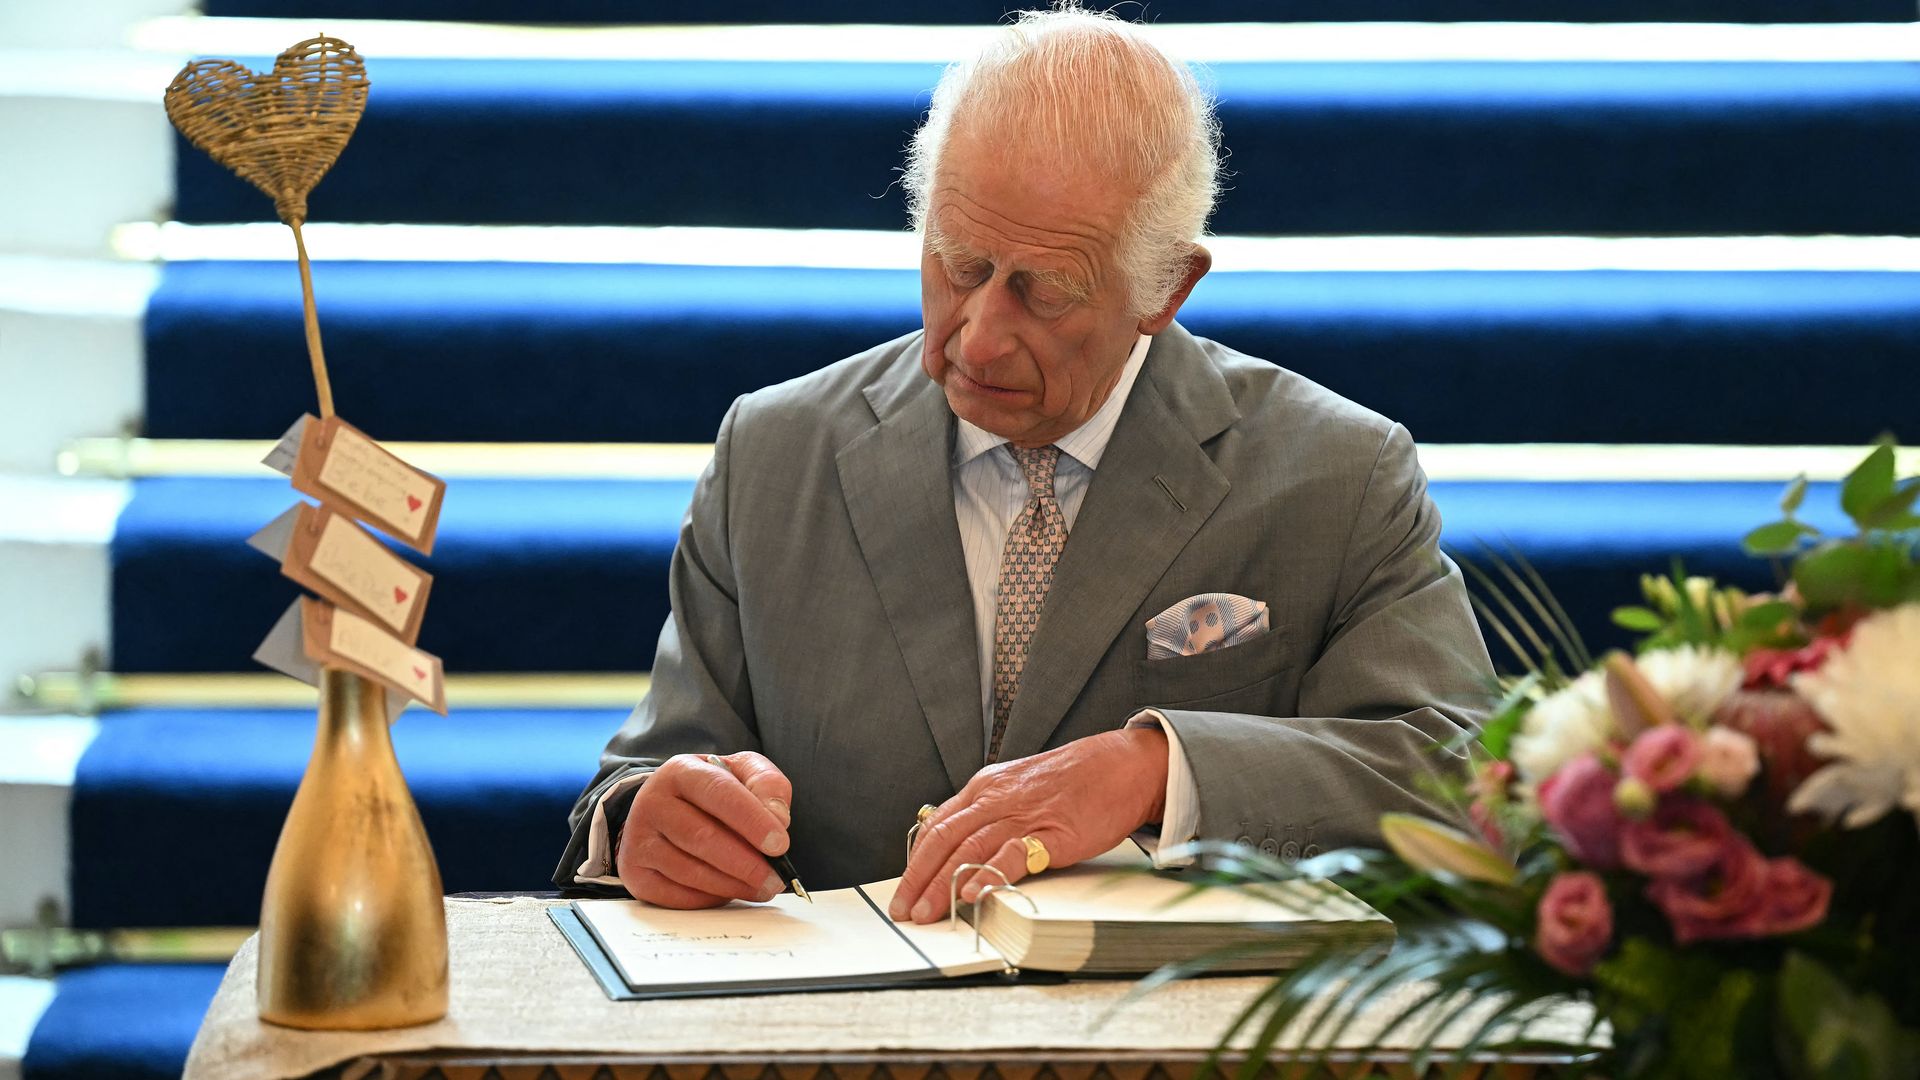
{"points": [[321, 383]]}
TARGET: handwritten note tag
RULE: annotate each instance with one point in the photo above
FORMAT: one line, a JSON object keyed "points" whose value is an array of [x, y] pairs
{"points": [[344, 563], [339, 638], [283, 651], [340, 465]]}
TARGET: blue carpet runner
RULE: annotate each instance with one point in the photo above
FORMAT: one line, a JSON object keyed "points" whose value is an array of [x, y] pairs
{"points": [[176, 811], [980, 12], [630, 353], [1328, 148], [122, 1021], [558, 575]]}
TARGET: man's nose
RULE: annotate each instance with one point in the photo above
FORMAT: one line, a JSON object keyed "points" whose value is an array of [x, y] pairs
{"points": [[988, 318]]}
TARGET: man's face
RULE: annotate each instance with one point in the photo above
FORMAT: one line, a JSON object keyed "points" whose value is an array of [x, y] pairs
{"points": [[1026, 317]]}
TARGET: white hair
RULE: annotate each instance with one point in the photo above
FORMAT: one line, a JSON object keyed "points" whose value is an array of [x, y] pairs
{"points": [[1088, 85]]}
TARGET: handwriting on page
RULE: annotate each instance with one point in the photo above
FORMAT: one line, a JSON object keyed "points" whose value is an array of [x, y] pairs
{"points": [[339, 638], [399, 494], [370, 577], [362, 642]]}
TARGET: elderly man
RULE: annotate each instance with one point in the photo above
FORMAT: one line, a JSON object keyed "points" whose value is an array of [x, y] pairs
{"points": [[1050, 564]]}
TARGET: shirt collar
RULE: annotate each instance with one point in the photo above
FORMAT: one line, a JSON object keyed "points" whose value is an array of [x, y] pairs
{"points": [[1086, 443]]}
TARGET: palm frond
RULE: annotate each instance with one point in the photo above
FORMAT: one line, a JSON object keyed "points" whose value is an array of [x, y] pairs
{"points": [[1554, 619], [1544, 659], [1582, 658]]}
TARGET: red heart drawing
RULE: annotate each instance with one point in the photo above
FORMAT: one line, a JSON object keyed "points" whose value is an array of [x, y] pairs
{"points": [[413, 503], [399, 595], [419, 674]]}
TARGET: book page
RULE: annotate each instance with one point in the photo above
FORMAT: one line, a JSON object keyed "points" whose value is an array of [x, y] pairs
{"points": [[1109, 889], [786, 941], [951, 944]]}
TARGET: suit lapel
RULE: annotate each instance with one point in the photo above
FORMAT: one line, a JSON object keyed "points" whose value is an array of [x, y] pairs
{"points": [[1128, 531], [899, 490]]}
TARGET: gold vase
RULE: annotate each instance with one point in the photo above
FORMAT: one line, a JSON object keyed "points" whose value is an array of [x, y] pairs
{"points": [[353, 934]]}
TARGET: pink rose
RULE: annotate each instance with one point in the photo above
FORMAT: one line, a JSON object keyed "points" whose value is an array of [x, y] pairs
{"points": [[1684, 837], [1796, 896], [1663, 757], [1728, 760], [1577, 800], [1576, 922], [1729, 900]]}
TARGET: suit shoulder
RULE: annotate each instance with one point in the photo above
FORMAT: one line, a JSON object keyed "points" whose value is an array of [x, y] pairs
{"points": [[1272, 398], [834, 397]]}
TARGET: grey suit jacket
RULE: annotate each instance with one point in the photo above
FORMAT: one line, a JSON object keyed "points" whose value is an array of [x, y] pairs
{"points": [[821, 612]]}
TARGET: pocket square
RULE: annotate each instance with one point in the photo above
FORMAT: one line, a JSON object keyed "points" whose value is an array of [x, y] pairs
{"points": [[1205, 623]]}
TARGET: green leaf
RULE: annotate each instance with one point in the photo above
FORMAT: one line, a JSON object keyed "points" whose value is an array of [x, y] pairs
{"points": [[1888, 512], [1796, 492], [1842, 572], [1644, 620], [1837, 1032], [1778, 538], [1869, 484]]}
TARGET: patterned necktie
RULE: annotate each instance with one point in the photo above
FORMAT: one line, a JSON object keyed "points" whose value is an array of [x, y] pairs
{"points": [[1026, 571]]}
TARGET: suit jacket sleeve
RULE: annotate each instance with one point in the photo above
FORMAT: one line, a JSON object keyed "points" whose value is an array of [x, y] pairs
{"points": [[1400, 672], [699, 701]]}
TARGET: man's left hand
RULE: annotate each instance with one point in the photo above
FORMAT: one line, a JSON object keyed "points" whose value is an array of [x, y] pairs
{"points": [[1079, 800]]}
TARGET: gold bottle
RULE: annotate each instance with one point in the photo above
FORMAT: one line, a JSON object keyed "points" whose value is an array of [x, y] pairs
{"points": [[353, 934]]}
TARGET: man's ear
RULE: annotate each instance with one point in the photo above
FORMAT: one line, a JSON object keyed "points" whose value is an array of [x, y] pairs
{"points": [[1198, 263]]}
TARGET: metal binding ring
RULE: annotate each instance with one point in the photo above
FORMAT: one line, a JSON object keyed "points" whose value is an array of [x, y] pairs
{"points": [[1011, 890], [953, 887]]}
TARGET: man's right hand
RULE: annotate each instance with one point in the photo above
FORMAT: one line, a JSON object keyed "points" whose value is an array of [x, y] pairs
{"points": [[700, 830]]}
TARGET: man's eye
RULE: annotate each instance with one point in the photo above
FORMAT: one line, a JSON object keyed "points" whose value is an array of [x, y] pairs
{"points": [[1049, 302], [969, 275]]}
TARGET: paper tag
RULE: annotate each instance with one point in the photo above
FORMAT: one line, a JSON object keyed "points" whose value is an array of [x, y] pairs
{"points": [[338, 638], [281, 458], [346, 564], [276, 536], [285, 652], [282, 650], [341, 466]]}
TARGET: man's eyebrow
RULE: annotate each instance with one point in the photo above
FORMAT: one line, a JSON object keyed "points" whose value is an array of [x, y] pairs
{"points": [[1066, 283]]}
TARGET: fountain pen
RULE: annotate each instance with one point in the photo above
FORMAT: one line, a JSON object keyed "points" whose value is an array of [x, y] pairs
{"points": [[784, 867]]}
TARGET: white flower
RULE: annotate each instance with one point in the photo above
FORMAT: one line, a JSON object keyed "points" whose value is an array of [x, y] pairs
{"points": [[1561, 727], [1869, 693], [1691, 678]]}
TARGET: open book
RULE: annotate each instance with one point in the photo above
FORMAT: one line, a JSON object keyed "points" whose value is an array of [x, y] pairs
{"points": [[1090, 919]]}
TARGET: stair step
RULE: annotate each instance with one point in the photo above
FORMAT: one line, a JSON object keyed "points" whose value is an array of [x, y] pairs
{"points": [[639, 353], [122, 1021], [493, 787], [553, 575], [1317, 148]]}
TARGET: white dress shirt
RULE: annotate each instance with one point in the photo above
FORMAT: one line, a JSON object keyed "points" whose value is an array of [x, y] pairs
{"points": [[989, 491]]}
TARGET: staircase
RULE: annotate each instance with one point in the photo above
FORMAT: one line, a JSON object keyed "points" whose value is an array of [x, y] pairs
{"points": [[1685, 241]]}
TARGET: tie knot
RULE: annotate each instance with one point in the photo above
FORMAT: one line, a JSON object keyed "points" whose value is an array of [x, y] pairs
{"points": [[1038, 463]]}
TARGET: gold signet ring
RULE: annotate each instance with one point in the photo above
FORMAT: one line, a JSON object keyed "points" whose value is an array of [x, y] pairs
{"points": [[1037, 859], [926, 811]]}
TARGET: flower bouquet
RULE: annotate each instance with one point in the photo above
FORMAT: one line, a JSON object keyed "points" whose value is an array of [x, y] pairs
{"points": [[1712, 842]]}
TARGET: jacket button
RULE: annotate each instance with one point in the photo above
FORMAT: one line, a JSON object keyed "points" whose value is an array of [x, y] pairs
{"points": [[1313, 851], [1269, 846], [1244, 840], [1290, 851]]}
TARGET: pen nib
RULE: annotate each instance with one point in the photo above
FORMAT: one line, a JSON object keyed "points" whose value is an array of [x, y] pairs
{"points": [[801, 891]]}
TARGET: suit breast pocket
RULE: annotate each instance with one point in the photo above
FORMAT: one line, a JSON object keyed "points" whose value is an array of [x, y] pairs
{"points": [[1213, 677]]}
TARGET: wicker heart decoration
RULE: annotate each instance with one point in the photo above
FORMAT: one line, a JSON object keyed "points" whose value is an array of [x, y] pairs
{"points": [[281, 130]]}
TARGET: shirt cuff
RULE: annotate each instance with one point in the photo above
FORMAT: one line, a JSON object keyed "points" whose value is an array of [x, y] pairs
{"points": [[1180, 821], [597, 869]]}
